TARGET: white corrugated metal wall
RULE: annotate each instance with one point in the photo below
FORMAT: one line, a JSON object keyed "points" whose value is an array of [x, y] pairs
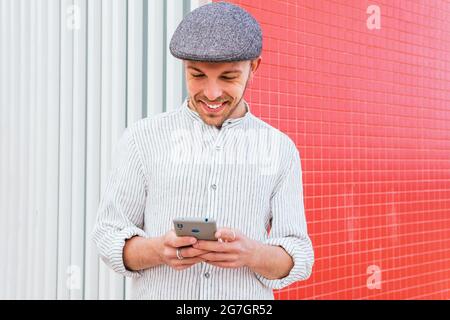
{"points": [[74, 74]]}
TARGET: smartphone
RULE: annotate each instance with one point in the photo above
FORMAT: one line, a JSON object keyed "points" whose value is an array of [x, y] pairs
{"points": [[200, 228]]}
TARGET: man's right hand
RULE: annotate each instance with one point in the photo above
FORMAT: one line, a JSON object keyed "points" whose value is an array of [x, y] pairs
{"points": [[170, 242]]}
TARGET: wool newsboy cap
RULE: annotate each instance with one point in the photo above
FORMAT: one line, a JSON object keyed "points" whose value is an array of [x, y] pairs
{"points": [[217, 32]]}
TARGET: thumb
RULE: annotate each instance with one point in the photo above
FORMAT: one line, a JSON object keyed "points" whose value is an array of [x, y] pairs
{"points": [[227, 234], [175, 241]]}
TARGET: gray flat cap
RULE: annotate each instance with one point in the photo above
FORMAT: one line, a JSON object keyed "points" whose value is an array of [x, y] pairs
{"points": [[217, 32]]}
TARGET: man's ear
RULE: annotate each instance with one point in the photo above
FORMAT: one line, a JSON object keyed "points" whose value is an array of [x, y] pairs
{"points": [[254, 65]]}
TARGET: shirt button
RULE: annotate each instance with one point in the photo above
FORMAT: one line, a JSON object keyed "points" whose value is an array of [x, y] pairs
{"points": [[214, 187], [207, 275], [218, 148]]}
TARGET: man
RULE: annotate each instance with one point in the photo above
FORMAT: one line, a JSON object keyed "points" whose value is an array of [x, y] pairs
{"points": [[210, 158]]}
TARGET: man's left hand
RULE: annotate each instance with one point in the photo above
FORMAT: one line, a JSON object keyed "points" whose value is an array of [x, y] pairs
{"points": [[232, 250]]}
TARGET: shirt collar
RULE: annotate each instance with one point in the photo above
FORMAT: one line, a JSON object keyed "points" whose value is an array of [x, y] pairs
{"points": [[227, 123]]}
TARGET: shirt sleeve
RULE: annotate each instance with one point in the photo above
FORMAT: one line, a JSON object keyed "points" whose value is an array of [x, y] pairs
{"points": [[120, 214], [288, 224]]}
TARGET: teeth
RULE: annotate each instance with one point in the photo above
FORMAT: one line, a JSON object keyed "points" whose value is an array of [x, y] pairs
{"points": [[214, 106]]}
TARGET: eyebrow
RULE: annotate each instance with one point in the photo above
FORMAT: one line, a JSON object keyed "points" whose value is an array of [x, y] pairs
{"points": [[225, 72]]}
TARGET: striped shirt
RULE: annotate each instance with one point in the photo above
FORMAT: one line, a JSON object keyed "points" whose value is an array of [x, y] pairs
{"points": [[245, 175]]}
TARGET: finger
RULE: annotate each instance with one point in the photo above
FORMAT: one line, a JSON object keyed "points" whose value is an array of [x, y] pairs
{"points": [[227, 234], [179, 268], [223, 264], [217, 257], [174, 241], [215, 246], [187, 261], [182, 267], [190, 252]]}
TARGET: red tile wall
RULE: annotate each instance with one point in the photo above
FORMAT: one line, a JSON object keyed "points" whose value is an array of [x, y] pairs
{"points": [[369, 111]]}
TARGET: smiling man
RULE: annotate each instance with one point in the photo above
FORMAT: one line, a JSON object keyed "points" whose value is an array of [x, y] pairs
{"points": [[217, 88], [210, 158]]}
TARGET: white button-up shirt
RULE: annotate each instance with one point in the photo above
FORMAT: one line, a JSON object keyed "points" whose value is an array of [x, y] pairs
{"points": [[246, 175]]}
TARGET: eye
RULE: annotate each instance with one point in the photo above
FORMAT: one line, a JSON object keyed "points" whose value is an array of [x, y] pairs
{"points": [[228, 78], [197, 75]]}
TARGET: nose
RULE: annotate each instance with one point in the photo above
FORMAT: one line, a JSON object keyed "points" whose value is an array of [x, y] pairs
{"points": [[213, 91]]}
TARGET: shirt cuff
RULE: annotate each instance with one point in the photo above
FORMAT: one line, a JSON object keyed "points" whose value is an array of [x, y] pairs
{"points": [[302, 255], [114, 258]]}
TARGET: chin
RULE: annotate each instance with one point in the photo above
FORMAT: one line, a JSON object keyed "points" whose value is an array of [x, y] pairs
{"points": [[212, 123]]}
